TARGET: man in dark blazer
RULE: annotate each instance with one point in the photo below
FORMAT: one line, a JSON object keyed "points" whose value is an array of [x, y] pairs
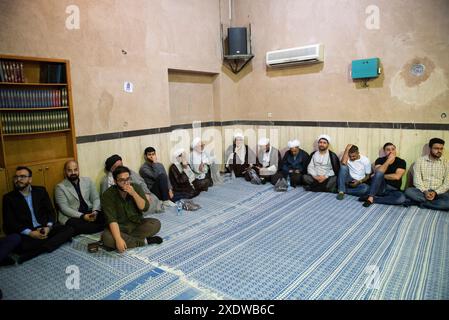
{"points": [[28, 211]]}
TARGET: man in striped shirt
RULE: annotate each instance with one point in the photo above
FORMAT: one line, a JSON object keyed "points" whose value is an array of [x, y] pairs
{"points": [[431, 179]]}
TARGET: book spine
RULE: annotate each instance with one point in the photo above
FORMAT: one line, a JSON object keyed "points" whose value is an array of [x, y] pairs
{"points": [[2, 74], [22, 73]]}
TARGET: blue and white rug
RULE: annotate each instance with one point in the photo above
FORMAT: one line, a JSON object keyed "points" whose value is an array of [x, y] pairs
{"points": [[250, 242]]}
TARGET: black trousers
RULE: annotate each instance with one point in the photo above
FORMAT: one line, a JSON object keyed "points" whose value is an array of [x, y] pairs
{"points": [[7, 244], [30, 247], [328, 185], [295, 178], [273, 179], [81, 226], [160, 187], [203, 184], [239, 169], [184, 195]]}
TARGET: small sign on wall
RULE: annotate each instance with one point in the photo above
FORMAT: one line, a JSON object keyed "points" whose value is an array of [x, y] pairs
{"points": [[128, 86]]}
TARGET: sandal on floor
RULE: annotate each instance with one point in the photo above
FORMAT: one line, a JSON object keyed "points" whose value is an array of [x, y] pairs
{"points": [[93, 247]]}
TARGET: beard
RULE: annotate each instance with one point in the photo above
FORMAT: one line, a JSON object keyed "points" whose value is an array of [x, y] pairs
{"points": [[436, 155], [73, 177], [20, 187], [321, 148]]}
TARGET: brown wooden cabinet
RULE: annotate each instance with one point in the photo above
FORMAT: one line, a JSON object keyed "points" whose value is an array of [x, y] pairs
{"points": [[36, 119]]}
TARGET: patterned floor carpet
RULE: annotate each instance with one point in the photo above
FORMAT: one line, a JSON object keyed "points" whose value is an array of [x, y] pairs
{"points": [[249, 242]]}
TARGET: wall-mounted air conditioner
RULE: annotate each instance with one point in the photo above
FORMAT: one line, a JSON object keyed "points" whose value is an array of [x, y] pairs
{"points": [[294, 56]]}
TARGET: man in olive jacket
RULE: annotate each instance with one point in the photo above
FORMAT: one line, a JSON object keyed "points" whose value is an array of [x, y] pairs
{"points": [[123, 205]]}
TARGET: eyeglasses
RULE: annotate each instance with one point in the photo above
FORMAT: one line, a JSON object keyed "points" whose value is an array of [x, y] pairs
{"points": [[124, 180], [20, 177]]}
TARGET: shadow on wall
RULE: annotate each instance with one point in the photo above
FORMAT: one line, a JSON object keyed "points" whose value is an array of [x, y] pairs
{"points": [[411, 168], [188, 76], [425, 149], [239, 76], [294, 70], [409, 176]]}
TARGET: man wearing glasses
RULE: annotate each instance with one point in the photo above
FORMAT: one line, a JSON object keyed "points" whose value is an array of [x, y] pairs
{"points": [[431, 179], [123, 205], [28, 211]]}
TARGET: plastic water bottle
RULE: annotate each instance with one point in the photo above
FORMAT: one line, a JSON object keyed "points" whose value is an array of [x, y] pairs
{"points": [[288, 182], [179, 207]]}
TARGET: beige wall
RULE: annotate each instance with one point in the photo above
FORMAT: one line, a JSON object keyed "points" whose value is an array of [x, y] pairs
{"points": [[157, 35], [191, 97], [411, 30], [162, 34]]}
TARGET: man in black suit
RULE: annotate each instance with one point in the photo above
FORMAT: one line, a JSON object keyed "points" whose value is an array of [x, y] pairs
{"points": [[28, 211]]}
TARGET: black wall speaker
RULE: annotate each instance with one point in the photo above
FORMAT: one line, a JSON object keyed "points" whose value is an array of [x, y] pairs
{"points": [[237, 41]]}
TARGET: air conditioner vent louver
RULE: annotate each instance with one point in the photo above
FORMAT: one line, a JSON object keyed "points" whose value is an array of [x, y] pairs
{"points": [[299, 55]]}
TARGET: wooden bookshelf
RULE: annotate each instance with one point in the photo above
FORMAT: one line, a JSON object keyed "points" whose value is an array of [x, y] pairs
{"points": [[36, 120], [33, 84]]}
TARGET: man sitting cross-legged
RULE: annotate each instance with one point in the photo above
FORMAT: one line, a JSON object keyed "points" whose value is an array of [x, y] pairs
{"points": [[323, 168], [387, 179], [431, 179], [78, 201], [123, 205], [355, 170], [28, 210]]}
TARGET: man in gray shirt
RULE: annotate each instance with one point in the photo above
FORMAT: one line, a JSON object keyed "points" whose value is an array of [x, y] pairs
{"points": [[155, 177]]}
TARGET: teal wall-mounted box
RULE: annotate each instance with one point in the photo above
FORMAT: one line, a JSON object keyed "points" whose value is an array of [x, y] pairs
{"points": [[365, 68]]}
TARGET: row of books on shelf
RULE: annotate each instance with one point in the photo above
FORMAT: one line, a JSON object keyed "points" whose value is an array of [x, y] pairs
{"points": [[12, 71], [29, 122], [33, 98]]}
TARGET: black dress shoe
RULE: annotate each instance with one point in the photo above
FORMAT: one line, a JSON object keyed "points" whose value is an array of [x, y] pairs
{"points": [[8, 261], [154, 239], [367, 203], [363, 198]]}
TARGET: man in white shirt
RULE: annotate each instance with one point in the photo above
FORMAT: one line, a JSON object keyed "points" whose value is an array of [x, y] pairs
{"points": [[355, 170], [268, 162]]}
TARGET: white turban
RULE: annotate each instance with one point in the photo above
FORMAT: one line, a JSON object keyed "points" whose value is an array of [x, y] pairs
{"points": [[325, 137], [293, 143], [178, 152], [264, 141], [238, 135], [195, 142]]}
